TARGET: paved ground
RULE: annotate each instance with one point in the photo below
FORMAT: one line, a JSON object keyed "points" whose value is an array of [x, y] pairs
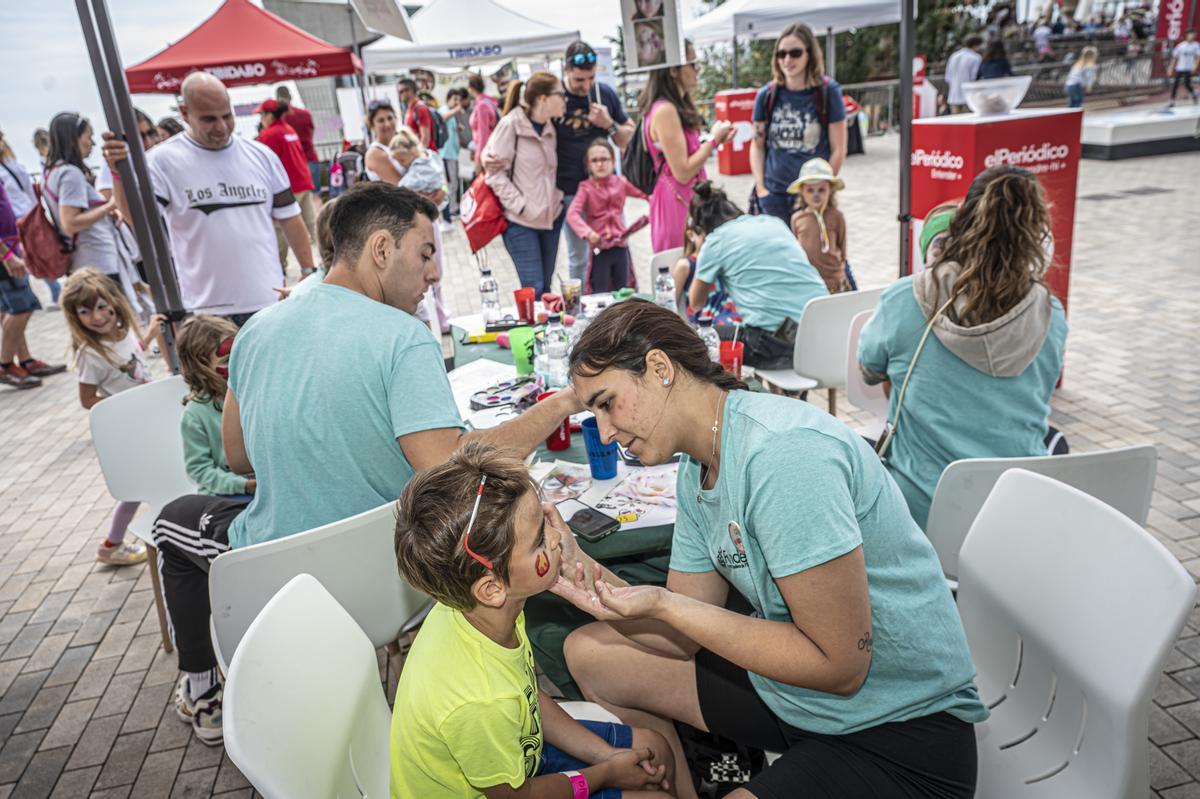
{"points": [[85, 686]]}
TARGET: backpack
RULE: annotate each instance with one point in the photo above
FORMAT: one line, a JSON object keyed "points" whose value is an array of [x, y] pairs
{"points": [[46, 250], [440, 131], [637, 164]]}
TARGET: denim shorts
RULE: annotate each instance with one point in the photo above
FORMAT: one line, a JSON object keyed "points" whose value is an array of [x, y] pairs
{"points": [[16, 297], [554, 760]]}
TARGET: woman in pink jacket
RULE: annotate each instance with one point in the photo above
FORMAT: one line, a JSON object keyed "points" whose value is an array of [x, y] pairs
{"points": [[521, 160], [598, 214]]}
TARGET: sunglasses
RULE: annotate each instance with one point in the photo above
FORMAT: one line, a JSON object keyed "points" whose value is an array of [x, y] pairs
{"points": [[583, 59], [795, 52], [471, 523], [375, 105]]}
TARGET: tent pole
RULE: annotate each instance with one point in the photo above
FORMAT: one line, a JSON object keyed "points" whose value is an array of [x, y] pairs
{"points": [[906, 113], [359, 77], [830, 53], [120, 118], [735, 60]]}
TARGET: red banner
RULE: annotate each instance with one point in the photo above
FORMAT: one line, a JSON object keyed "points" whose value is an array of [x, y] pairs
{"points": [[948, 152], [1175, 18]]}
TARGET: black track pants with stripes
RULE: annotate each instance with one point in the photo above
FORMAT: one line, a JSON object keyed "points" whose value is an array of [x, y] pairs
{"points": [[189, 533]]}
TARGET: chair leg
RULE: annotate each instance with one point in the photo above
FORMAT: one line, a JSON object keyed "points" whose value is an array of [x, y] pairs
{"points": [[152, 562], [833, 402]]}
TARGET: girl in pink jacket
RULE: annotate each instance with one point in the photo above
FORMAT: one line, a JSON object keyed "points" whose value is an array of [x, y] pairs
{"points": [[598, 214]]}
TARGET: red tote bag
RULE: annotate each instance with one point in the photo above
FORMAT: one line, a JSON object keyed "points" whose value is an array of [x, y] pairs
{"points": [[482, 215]]}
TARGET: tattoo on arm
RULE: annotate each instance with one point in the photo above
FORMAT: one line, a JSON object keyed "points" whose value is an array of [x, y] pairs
{"points": [[864, 643], [760, 132]]}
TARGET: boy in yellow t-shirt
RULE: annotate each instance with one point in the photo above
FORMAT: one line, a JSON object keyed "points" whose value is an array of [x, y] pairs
{"points": [[469, 720]]}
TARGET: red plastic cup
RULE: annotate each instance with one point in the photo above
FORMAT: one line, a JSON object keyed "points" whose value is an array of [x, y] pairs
{"points": [[524, 298], [560, 439], [731, 357]]}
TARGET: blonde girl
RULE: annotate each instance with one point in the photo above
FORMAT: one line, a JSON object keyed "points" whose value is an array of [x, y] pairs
{"points": [[818, 224], [1082, 77], [107, 346], [423, 172], [204, 346]]}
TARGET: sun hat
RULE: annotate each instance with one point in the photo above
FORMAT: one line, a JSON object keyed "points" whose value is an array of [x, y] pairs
{"points": [[814, 171]]}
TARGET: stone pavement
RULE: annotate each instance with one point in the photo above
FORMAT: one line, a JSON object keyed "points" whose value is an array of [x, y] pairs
{"points": [[86, 688]]}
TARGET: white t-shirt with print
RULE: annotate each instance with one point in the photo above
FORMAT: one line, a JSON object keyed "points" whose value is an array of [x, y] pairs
{"points": [[219, 206], [1186, 54], [94, 370]]}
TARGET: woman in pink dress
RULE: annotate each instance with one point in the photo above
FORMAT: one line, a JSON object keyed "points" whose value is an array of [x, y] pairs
{"points": [[672, 126]]}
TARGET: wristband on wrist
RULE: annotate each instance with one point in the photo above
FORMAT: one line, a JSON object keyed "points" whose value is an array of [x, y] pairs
{"points": [[8, 255], [579, 784], [612, 129]]}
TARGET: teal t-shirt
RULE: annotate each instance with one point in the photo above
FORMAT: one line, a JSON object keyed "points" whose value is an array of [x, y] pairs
{"points": [[951, 409], [763, 267], [804, 489], [325, 384]]}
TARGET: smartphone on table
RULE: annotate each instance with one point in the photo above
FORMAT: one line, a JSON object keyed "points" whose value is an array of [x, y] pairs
{"points": [[587, 522]]}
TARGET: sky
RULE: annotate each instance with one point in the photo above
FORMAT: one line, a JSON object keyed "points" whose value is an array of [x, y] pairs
{"points": [[45, 66]]}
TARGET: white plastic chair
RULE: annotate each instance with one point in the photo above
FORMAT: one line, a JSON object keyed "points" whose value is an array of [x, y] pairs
{"points": [[304, 714], [862, 396], [819, 359], [1121, 478], [1070, 611], [140, 450], [354, 559]]}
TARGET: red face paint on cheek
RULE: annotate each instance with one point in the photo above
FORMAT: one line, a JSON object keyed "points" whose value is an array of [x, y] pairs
{"points": [[543, 564]]}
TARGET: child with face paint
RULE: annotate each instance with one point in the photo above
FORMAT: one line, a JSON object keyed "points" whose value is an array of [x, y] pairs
{"points": [[108, 350], [204, 345], [818, 224], [469, 718]]}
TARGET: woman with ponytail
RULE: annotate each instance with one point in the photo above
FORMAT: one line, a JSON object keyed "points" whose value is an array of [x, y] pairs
{"points": [[758, 261], [521, 160], [854, 664], [996, 348]]}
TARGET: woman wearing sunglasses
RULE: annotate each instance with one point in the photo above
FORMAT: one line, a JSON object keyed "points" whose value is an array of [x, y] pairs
{"points": [[799, 115]]}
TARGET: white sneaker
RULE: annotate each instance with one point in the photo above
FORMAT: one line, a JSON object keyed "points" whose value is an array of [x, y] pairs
{"points": [[445, 226]]}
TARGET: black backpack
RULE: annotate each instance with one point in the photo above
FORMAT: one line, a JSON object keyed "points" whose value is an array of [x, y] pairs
{"points": [[440, 133], [637, 164]]}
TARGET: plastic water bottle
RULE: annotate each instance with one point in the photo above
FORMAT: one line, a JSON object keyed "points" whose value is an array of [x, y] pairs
{"points": [[557, 343], [710, 338], [489, 297], [664, 289]]}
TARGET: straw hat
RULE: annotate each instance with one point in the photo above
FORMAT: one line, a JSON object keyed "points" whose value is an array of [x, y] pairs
{"points": [[816, 170]]}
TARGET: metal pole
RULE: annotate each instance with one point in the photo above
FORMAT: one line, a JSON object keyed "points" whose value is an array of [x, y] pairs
{"points": [[830, 53], [118, 111], [906, 112], [735, 64], [359, 78]]}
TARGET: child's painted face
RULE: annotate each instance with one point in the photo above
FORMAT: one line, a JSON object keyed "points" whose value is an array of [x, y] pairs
{"points": [[600, 162], [100, 319], [533, 566], [220, 361], [815, 194]]}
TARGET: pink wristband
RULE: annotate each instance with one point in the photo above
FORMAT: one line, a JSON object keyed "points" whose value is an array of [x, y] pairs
{"points": [[8, 256], [579, 784]]}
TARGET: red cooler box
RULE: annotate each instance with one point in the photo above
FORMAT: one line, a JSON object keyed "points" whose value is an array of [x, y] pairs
{"points": [[736, 106], [948, 152]]}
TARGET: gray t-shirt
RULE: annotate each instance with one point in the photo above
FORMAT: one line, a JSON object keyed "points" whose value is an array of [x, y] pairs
{"points": [[96, 246]]}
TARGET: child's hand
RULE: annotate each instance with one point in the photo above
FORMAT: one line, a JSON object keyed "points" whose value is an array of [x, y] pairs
{"points": [[593, 237], [156, 320], [634, 770]]}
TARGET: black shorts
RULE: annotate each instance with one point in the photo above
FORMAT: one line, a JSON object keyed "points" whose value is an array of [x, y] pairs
{"points": [[932, 756]]}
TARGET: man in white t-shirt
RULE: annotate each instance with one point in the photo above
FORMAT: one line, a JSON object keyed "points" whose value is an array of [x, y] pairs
{"points": [[1183, 65], [219, 194], [963, 67]]}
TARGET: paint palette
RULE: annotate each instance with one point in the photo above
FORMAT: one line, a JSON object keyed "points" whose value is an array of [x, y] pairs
{"points": [[516, 392]]}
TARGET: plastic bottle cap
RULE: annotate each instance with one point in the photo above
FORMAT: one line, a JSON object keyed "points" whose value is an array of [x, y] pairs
{"points": [[554, 318], [486, 273], [662, 268], [705, 322]]}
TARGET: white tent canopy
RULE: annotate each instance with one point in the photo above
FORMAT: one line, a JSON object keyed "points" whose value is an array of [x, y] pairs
{"points": [[461, 33], [760, 18]]}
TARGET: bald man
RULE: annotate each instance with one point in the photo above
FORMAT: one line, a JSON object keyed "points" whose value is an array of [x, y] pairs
{"points": [[220, 195]]}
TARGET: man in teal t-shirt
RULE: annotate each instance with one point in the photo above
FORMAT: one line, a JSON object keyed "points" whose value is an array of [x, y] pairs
{"points": [[335, 398]]}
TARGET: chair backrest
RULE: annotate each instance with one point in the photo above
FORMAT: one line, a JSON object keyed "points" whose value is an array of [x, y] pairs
{"points": [[1070, 610], [820, 351], [860, 395], [354, 559], [304, 714], [665, 258], [138, 443], [1122, 478]]}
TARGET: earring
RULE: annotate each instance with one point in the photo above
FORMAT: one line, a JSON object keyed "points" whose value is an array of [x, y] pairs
{"points": [[666, 381]]}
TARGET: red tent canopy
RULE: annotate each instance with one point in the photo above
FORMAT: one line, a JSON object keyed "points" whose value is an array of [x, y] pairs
{"points": [[241, 44]]}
